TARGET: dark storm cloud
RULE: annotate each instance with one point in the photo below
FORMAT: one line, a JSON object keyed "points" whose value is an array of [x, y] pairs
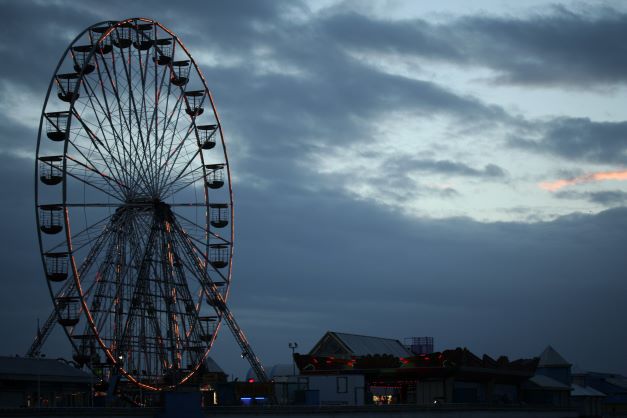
{"points": [[34, 35], [563, 46], [332, 100], [566, 46], [359, 267], [580, 139], [605, 197], [401, 188], [414, 37], [407, 164]]}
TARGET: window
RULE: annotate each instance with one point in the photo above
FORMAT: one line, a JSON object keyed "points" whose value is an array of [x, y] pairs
{"points": [[342, 385]]}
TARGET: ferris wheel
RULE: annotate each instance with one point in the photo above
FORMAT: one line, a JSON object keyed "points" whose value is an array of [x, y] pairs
{"points": [[135, 205]]}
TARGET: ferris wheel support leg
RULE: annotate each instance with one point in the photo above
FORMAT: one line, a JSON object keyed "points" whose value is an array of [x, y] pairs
{"points": [[211, 291], [44, 332]]}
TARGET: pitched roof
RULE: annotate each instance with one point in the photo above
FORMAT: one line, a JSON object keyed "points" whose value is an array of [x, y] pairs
{"points": [[212, 366], [586, 391], [363, 345], [551, 358], [619, 381], [26, 368], [545, 382]]}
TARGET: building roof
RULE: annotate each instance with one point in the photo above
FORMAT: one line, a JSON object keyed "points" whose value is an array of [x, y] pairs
{"points": [[362, 345], [51, 370], [281, 370], [212, 366], [619, 381], [545, 382], [585, 391], [551, 358]]}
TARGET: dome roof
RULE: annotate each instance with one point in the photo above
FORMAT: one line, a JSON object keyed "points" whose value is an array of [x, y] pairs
{"points": [[277, 370]]}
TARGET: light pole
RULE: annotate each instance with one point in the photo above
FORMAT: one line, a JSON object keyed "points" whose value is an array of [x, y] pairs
{"points": [[293, 347], [39, 356]]}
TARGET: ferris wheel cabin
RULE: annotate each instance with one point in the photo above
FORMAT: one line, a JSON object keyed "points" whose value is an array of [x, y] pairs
{"points": [[207, 326], [180, 73], [81, 59], [164, 51], [66, 84], [143, 40], [105, 46], [85, 351], [68, 308], [215, 176], [50, 170], [219, 214], [219, 255], [56, 266], [206, 136], [123, 38], [194, 101], [56, 125], [50, 219]]}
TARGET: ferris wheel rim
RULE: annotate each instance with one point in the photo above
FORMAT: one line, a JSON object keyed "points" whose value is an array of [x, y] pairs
{"points": [[65, 204]]}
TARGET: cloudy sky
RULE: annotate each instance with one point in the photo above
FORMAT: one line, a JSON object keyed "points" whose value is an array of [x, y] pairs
{"points": [[400, 168]]}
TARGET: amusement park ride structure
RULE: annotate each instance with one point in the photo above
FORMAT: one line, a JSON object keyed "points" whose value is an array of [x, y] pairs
{"points": [[134, 207]]}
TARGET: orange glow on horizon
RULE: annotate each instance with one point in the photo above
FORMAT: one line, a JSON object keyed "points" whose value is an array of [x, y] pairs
{"points": [[553, 186]]}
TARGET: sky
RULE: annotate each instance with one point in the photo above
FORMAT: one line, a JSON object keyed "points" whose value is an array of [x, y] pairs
{"points": [[400, 169]]}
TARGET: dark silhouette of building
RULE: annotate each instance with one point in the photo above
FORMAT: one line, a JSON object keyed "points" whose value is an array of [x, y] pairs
{"points": [[37, 382], [393, 374]]}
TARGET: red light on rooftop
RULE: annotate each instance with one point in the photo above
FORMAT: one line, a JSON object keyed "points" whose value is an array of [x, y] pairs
{"points": [[251, 380]]}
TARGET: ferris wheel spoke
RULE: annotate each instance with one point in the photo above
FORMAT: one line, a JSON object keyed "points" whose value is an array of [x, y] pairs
{"points": [[94, 100], [168, 184], [188, 205], [115, 154], [143, 114], [118, 136], [94, 139], [176, 110], [160, 136], [155, 112], [148, 120], [111, 192], [133, 109], [112, 182], [200, 228], [139, 173], [185, 185], [172, 160]]}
